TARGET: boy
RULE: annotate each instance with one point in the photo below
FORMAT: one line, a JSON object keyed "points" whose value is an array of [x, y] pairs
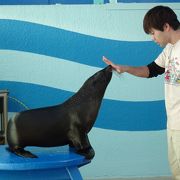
{"points": [[162, 24]]}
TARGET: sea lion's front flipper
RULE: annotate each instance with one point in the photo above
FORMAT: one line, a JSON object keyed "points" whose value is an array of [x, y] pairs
{"points": [[21, 152], [80, 142], [87, 152]]}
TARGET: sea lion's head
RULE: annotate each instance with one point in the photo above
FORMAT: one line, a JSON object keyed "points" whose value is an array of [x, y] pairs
{"points": [[97, 83], [102, 77]]}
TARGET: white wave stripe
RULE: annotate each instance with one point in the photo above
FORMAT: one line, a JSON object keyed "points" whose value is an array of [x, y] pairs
{"points": [[104, 21], [125, 153], [67, 75]]}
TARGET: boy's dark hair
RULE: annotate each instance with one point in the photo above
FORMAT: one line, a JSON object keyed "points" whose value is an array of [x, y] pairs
{"points": [[158, 16]]}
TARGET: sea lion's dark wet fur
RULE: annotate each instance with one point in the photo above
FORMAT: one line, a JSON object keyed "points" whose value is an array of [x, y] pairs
{"points": [[67, 123]]}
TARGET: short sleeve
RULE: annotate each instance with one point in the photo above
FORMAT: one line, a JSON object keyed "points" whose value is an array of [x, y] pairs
{"points": [[155, 70]]}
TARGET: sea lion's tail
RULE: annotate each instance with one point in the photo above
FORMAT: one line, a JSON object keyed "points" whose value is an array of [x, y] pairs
{"points": [[11, 133]]}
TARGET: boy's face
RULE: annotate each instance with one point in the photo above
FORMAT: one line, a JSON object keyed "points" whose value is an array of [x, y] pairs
{"points": [[159, 37]]}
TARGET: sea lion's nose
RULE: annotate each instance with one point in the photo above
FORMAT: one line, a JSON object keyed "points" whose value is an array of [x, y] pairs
{"points": [[109, 68]]}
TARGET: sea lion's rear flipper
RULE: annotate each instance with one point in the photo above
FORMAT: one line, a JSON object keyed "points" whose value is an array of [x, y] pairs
{"points": [[21, 152]]}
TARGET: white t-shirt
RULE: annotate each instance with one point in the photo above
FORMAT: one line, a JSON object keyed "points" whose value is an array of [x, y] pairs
{"points": [[170, 60]]}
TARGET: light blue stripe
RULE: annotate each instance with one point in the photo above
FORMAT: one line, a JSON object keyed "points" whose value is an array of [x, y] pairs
{"points": [[69, 76], [127, 154]]}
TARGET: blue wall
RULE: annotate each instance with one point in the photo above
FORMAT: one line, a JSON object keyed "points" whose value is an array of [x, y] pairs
{"points": [[47, 52]]}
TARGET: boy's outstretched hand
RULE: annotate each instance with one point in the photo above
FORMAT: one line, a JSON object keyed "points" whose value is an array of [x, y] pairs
{"points": [[108, 62]]}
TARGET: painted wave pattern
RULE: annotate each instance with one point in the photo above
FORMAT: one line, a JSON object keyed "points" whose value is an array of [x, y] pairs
{"points": [[85, 49], [82, 49]]}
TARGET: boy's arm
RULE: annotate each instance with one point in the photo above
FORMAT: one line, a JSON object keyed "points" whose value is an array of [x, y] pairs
{"points": [[141, 71]]}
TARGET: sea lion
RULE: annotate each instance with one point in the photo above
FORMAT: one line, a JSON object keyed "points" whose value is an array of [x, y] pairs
{"points": [[66, 123]]}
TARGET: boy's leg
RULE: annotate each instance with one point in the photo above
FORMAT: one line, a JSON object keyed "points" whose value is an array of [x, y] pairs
{"points": [[174, 152]]}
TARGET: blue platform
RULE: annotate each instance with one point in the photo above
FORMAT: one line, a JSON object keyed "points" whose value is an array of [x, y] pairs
{"points": [[52, 164]]}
